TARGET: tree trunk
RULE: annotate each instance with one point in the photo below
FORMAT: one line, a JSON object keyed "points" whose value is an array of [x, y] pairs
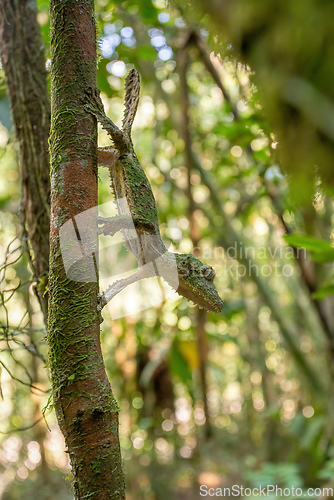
{"points": [[22, 56], [86, 409]]}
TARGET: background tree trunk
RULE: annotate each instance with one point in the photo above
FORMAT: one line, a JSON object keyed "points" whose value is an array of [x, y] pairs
{"points": [[22, 56], [86, 409]]}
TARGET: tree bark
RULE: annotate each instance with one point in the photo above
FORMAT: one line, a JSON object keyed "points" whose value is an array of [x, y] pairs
{"points": [[86, 409], [22, 56]]}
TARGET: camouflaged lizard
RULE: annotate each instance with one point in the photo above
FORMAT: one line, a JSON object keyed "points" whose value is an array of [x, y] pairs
{"points": [[137, 214]]}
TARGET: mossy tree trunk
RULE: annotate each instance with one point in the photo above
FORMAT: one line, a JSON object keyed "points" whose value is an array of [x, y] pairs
{"points": [[22, 57], [86, 409]]}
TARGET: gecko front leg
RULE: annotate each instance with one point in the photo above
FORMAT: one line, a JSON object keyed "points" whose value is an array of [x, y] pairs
{"points": [[109, 226]]}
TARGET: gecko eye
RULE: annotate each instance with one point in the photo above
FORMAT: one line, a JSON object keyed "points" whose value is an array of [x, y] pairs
{"points": [[208, 273]]}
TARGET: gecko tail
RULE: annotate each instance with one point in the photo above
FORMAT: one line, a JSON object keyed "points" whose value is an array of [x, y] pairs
{"points": [[132, 87]]}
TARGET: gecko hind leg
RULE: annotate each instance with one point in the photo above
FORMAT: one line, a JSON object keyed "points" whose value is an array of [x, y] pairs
{"points": [[118, 286]]}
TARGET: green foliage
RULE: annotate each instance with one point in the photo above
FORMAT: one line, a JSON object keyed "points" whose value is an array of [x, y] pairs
{"points": [[282, 475], [48, 490], [328, 471], [293, 69]]}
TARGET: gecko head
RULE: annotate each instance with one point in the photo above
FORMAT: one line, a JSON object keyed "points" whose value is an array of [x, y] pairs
{"points": [[196, 282]]}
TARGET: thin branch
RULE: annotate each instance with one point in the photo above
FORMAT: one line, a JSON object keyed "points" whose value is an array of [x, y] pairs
{"points": [[21, 429], [204, 53], [230, 236], [307, 273], [201, 336]]}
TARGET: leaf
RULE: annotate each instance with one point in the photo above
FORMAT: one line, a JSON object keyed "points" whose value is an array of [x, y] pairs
{"points": [[179, 365], [307, 242], [320, 250], [328, 471], [323, 292], [146, 52], [324, 256], [102, 82], [189, 350]]}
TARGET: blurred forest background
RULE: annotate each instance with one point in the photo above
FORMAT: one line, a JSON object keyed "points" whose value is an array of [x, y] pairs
{"points": [[235, 132]]}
